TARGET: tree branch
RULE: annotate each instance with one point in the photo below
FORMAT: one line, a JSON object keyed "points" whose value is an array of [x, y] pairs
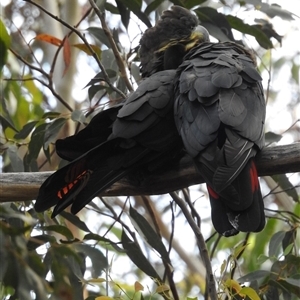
{"points": [[211, 286], [270, 161], [117, 54]]}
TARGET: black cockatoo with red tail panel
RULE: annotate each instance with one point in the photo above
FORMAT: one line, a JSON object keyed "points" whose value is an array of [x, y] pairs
{"points": [[197, 98]]}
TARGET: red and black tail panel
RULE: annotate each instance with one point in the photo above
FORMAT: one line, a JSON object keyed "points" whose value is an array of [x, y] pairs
{"points": [[239, 207]]}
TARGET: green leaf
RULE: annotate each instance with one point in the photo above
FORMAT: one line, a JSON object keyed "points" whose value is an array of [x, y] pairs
{"points": [[286, 185], [52, 131], [63, 230], [4, 44], [99, 34], [16, 161], [75, 221], [99, 261], [51, 115], [255, 275], [86, 49], [290, 288], [288, 249], [147, 232], [77, 265], [272, 137], [262, 258], [275, 10], [78, 116], [251, 293], [100, 77], [295, 282], [124, 12], [152, 6], [38, 240], [135, 7], [111, 8], [238, 24], [295, 71], [96, 237], [26, 130], [5, 123], [137, 257], [215, 22], [36, 142], [192, 3], [94, 89], [101, 5], [275, 244]]}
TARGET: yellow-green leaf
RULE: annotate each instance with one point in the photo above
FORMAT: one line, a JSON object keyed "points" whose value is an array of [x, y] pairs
{"points": [[4, 44], [233, 285], [249, 292], [162, 288], [85, 48], [96, 280]]}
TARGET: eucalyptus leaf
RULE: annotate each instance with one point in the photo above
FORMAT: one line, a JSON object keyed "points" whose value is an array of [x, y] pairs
{"points": [[26, 130], [137, 257]]}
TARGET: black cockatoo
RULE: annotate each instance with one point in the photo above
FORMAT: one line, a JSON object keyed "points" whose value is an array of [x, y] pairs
{"points": [[199, 98], [220, 113], [138, 135]]}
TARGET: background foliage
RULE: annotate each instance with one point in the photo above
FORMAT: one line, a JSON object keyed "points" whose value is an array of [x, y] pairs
{"points": [[58, 68]]}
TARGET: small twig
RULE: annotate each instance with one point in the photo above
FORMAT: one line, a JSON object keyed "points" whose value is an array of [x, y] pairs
{"points": [[49, 85], [212, 253], [119, 60], [63, 41], [201, 245], [195, 214], [168, 272], [240, 254], [172, 227]]}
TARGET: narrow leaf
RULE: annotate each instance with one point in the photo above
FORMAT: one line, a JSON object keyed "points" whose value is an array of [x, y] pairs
{"points": [[75, 221], [4, 44], [51, 115], [100, 77], [286, 186], [249, 292], [63, 230], [272, 137], [36, 142], [275, 243], [48, 39], [255, 275], [99, 34], [16, 161], [25, 131], [66, 54], [148, 233], [99, 261], [52, 131], [137, 257], [84, 48], [5, 123]]}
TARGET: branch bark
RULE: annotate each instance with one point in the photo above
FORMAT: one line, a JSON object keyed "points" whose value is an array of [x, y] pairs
{"points": [[270, 161]]}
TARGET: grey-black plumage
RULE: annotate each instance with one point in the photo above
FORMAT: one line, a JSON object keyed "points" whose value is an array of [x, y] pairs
{"points": [[200, 98]]}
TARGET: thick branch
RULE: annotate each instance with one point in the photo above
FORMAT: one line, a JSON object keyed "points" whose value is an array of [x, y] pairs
{"points": [[271, 161]]}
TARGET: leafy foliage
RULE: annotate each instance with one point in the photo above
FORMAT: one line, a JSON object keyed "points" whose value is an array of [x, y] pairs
{"points": [[63, 258]]}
